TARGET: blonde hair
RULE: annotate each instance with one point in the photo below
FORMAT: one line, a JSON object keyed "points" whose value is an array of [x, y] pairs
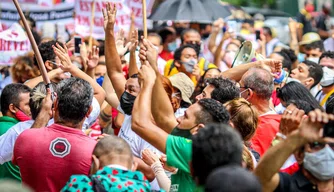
{"points": [[244, 117], [248, 159]]}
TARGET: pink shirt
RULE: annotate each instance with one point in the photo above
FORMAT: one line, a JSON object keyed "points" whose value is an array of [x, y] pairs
{"points": [[47, 157]]}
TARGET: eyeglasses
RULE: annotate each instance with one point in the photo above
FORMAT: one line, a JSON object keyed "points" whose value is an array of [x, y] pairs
{"points": [[318, 146]]}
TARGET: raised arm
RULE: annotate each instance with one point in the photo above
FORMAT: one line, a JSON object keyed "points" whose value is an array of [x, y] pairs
{"points": [[237, 72], [133, 69], [53, 75], [216, 28], [113, 61], [141, 114], [67, 66], [218, 51], [111, 96], [310, 130], [162, 109]]}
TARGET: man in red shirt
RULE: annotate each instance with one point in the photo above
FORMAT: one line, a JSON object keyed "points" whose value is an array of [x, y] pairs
{"points": [[47, 157], [257, 85]]}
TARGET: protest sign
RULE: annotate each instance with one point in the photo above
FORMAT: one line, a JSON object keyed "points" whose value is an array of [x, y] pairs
{"points": [[13, 42], [83, 10], [136, 8], [57, 14]]}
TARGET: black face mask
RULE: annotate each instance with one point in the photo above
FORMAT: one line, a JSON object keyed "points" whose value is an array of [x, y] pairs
{"points": [[185, 133], [205, 35], [127, 101], [179, 30]]}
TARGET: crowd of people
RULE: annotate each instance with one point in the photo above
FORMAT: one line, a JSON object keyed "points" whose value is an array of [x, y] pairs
{"points": [[171, 112]]}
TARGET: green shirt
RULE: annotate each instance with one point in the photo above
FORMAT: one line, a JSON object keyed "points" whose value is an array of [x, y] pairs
{"points": [[178, 151], [8, 170]]}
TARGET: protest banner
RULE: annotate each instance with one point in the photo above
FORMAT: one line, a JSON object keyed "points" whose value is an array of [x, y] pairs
{"points": [[13, 43], [136, 8], [83, 10], [58, 14]]}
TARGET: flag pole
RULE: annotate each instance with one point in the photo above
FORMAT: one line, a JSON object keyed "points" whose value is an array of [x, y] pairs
{"points": [[33, 44], [144, 19], [90, 43]]}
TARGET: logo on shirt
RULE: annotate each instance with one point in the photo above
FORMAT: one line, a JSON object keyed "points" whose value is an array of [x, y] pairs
{"points": [[60, 147]]}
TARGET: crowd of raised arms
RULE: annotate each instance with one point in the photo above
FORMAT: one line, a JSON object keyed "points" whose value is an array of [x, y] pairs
{"points": [[172, 112]]}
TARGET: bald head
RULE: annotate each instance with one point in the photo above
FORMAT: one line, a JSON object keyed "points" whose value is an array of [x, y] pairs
{"points": [[260, 81], [112, 150]]}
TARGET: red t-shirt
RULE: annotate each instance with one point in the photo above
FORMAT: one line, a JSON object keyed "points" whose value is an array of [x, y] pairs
{"points": [[47, 157], [266, 131], [275, 99]]}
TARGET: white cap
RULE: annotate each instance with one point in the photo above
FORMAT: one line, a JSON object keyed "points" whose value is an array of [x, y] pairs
{"points": [[327, 78]]}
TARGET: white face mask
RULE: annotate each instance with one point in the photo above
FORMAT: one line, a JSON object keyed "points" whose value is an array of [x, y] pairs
{"points": [[320, 164], [313, 59], [189, 65]]}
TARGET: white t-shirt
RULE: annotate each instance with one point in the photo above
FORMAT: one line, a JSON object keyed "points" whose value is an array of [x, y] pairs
{"points": [[8, 139], [136, 143]]}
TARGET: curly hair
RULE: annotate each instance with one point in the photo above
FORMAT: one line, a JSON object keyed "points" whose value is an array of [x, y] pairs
{"points": [[225, 89], [244, 117], [214, 146], [212, 112], [24, 69]]}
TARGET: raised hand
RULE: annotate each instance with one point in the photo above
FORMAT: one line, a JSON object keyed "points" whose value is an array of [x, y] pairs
{"points": [[311, 129], [120, 41], [149, 157], [274, 65], [70, 45], [293, 26], [134, 40], [146, 74], [93, 58], [148, 52], [62, 53], [109, 16], [196, 71], [291, 119], [218, 25]]}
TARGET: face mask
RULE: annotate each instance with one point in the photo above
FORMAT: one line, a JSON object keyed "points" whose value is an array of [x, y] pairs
{"points": [[189, 65], [127, 101], [1, 78], [100, 80], [179, 30], [172, 46], [185, 133], [229, 57], [313, 59], [21, 116], [301, 57], [205, 35], [320, 164]]}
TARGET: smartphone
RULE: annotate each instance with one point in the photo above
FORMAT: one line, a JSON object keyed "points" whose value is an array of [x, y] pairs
{"points": [[257, 33], [77, 42], [329, 129]]}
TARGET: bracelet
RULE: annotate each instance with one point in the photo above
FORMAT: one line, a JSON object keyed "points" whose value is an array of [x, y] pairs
{"points": [[281, 135]]}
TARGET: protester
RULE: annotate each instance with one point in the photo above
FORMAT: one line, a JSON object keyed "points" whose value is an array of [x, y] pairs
{"points": [[24, 69], [61, 144], [314, 50], [313, 153], [256, 86], [112, 169], [304, 17], [177, 148], [327, 59], [327, 84], [14, 108], [271, 41], [323, 21], [201, 84], [168, 36]]}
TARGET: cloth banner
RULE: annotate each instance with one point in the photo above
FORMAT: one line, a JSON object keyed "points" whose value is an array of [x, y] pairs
{"points": [[13, 43], [137, 9], [58, 14]]}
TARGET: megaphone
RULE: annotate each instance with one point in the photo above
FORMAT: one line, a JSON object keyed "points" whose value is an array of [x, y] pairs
{"points": [[246, 54]]}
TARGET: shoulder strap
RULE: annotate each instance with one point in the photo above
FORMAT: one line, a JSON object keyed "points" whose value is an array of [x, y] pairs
{"points": [[206, 64], [171, 67], [97, 185]]}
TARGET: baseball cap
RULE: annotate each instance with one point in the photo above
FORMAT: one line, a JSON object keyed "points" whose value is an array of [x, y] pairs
{"points": [[232, 178], [184, 84], [328, 77]]}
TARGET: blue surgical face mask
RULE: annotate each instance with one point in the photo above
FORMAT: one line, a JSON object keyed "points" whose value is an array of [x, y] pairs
{"points": [[301, 57], [320, 164], [172, 46], [189, 65], [100, 80]]}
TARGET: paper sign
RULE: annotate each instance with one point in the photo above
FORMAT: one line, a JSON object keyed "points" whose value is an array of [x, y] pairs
{"points": [[13, 43]]}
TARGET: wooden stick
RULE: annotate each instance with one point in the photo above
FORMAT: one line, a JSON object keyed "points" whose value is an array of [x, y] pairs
{"points": [[90, 44], [144, 19], [33, 44]]}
